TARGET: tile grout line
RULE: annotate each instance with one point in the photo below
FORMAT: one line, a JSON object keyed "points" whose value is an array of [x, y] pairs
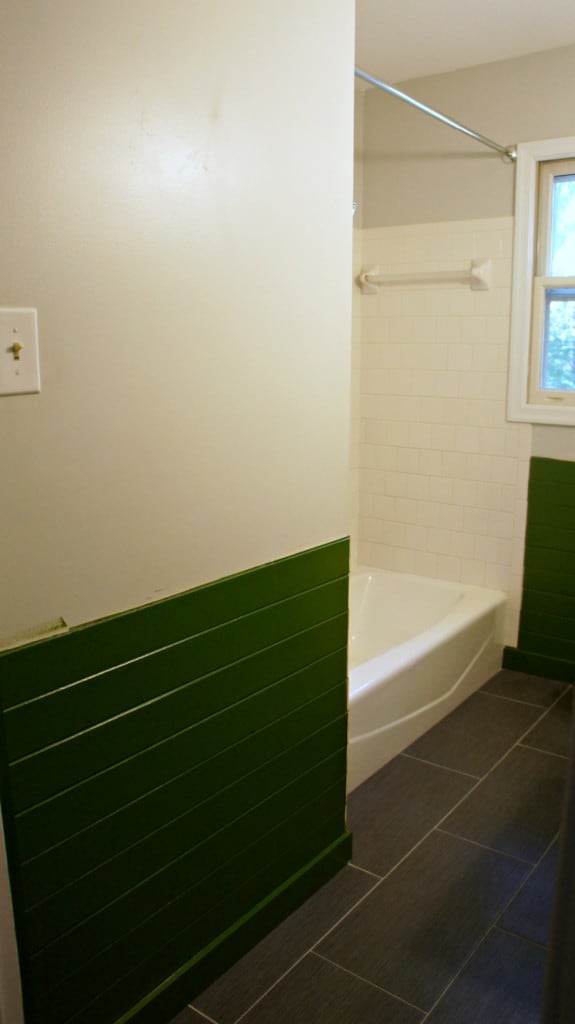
{"points": [[491, 928], [526, 703], [544, 711], [365, 871], [445, 768], [309, 950], [382, 878], [516, 935], [497, 763], [528, 875], [204, 1016], [541, 750], [366, 981], [435, 827], [482, 846], [525, 880]]}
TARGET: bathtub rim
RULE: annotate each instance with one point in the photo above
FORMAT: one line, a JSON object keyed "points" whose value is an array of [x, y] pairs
{"points": [[476, 602]]}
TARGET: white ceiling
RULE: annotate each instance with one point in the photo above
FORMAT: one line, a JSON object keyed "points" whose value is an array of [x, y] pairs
{"points": [[401, 39]]}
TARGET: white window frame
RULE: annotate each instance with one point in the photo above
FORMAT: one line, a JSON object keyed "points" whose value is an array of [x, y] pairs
{"points": [[519, 406]]}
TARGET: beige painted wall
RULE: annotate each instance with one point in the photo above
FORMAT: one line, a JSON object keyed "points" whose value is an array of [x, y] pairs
{"points": [[183, 227], [416, 169]]}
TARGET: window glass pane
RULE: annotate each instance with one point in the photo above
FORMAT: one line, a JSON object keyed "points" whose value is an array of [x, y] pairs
{"points": [[562, 255], [558, 364]]}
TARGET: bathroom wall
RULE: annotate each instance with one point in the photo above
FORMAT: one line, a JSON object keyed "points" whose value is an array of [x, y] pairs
{"points": [[356, 325], [191, 273], [443, 488], [443, 476], [416, 169], [191, 270]]}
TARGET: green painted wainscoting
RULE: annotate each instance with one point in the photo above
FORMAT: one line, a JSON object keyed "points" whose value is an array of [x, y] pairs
{"points": [[546, 644], [173, 785]]}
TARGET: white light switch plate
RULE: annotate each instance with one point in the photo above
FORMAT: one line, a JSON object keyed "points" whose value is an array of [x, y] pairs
{"points": [[19, 360]]}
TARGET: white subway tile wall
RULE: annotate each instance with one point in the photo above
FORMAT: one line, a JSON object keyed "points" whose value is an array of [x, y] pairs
{"points": [[439, 475]]}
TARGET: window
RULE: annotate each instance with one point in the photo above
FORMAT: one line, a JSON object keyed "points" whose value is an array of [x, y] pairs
{"points": [[542, 359]]}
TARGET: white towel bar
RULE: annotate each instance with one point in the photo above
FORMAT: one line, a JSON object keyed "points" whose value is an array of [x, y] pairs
{"points": [[477, 277]]}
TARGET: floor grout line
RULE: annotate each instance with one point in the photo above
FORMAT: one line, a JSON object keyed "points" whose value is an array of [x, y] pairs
{"points": [[468, 794], [458, 973], [444, 767], [367, 981], [366, 871], [515, 700], [541, 750], [492, 928], [544, 711], [500, 761], [309, 950], [517, 935], [526, 879], [379, 879], [204, 1016], [483, 846]]}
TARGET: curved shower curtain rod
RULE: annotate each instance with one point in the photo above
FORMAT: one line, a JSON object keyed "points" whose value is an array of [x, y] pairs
{"points": [[509, 153]]}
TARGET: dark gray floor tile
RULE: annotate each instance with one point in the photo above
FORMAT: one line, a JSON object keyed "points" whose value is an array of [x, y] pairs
{"points": [[517, 808], [396, 807], [502, 984], [246, 981], [476, 735], [531, 911], [520, 686], [414, 932], [553, 732], [316, 992]]}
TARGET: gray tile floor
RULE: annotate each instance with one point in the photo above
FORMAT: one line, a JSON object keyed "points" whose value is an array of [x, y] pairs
{"points": [[443, 915]]}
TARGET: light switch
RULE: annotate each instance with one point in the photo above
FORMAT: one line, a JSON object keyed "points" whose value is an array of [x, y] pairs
{"points": [[19, 360]]}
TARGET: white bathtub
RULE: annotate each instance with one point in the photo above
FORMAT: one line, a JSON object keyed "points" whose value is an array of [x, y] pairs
{"points": [[417, 648]]}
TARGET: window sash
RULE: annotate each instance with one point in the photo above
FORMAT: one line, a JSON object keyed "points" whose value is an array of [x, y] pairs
{"points": [[525, 404], [538, 395], [549, 170]]}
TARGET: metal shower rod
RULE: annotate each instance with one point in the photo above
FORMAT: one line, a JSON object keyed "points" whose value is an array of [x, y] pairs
{"points": [[509, 153]]}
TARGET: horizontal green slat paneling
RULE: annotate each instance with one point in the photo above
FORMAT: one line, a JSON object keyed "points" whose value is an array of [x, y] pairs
{"points": [[88, 894], [251, 839], [537, 664], [167, 999], [561, 494], [548, 513], [553, 538], [62, 864], [134, 905], [562, 562], [196, 920], [171, 769], [538, 602], [42, 826], [42, 775], [551, 470], [104, 1009], [550, 581], [28, 672], [77, 708], [551, 646], [547, 625], [49, 969]]}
